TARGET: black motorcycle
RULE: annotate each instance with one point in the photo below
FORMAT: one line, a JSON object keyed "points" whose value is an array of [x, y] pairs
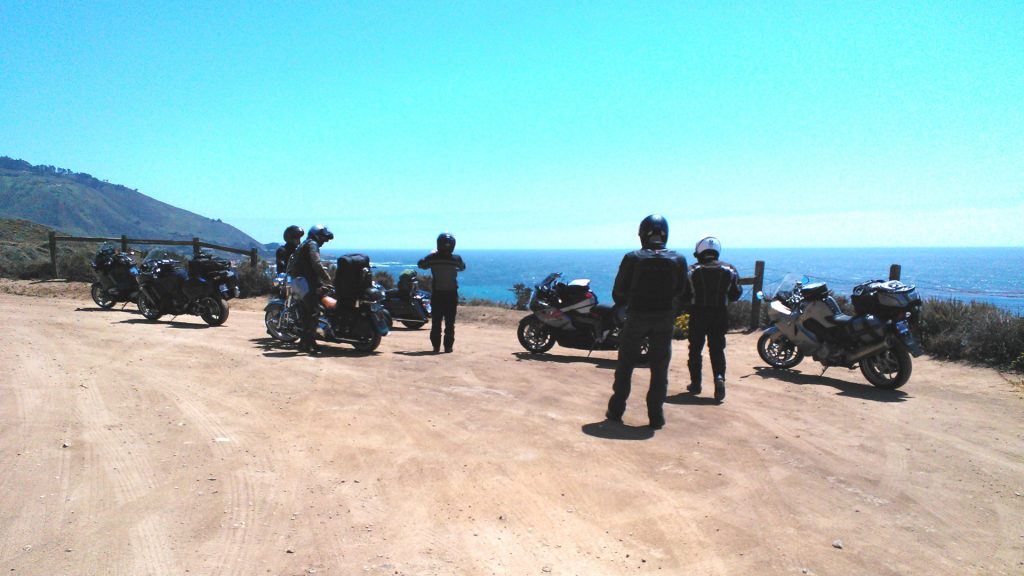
{"points": [[406, 303], [351, 313], [117, 274], [568, 314], [202, 288]]}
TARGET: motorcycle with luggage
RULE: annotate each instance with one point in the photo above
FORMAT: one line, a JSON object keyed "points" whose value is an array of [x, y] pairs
{"points": [[202, 287], [406, 303], [117, 275], [569, 314], [806, 320], [351, 313]]}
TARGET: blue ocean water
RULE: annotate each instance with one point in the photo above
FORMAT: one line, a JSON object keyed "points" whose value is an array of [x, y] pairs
{"points": [[993, 275]]}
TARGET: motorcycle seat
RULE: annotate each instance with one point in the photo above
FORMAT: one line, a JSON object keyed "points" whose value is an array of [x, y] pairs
{"points": [[840, 318]]}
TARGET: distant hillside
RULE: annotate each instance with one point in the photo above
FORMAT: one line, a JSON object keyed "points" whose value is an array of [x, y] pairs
{"points": [[79, 204]]}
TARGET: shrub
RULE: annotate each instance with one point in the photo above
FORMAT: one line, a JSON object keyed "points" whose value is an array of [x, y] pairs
{"points": [[682, 327], [522, 293], [385, 279], [976, 332], [254, 281]]}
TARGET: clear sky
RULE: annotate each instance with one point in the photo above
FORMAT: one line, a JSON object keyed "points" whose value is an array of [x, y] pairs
{"points": [[538, 124]]}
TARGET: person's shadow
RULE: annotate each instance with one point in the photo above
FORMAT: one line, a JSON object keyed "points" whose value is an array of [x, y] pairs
{"points": [[688, 399], [610, 430], [863, 391], [605, 363]]}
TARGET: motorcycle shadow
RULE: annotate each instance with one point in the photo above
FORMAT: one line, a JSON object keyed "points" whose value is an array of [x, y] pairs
{"points": [[606, 363], [114, 309], [609, 430], [169, 323], [276, 349], [863, 391]]}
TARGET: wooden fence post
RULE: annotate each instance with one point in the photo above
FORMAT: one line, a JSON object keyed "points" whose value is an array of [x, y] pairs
{"points": [[894, 272], [253, 258], [53, 252], [755, 304], [124, 242], [195, 246]]}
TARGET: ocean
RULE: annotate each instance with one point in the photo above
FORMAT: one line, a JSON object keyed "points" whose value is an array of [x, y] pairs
{"points": [[993, 275]]}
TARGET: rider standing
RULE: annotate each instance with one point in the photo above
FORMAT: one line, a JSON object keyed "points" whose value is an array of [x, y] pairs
{"points": [[711, 285], [307, 265], [292, 237], [444, 266], [650, 283]]}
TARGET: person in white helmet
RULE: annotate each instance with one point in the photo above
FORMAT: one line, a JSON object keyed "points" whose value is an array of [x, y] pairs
{"points": [[711, 285]]}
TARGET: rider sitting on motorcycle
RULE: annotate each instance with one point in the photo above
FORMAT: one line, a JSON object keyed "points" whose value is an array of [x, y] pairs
{"points": [[711, 285], [292, 237], [306, 264]]}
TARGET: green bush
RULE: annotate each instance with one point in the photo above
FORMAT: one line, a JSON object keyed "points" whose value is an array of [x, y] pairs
{"points": [[973, 331], [385, 279], [254, 281]]}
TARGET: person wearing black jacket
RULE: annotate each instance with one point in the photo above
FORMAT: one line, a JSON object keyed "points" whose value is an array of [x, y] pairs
{"points": [[292, 237], [306, 264], [444, 266], [711, 285], [649, 283]]}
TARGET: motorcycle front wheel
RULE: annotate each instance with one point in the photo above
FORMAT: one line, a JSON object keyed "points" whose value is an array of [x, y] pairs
{"points": [[534, 336], [369, 338], [148, 308], [279, 325], [889, 370], [213, 311], [99, 296], [782, 354]]}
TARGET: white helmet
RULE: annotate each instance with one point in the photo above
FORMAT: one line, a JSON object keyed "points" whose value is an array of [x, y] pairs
{"points": [[708, 244]]}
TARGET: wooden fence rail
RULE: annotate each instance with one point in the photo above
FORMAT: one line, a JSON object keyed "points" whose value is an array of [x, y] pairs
{"points": [[195, 243]]}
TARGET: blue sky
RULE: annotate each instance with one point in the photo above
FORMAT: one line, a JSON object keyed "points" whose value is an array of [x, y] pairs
{"points": [[538, 124]]}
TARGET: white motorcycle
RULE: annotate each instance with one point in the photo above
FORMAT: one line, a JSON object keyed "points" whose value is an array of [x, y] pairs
{"points": [[806, 321]]}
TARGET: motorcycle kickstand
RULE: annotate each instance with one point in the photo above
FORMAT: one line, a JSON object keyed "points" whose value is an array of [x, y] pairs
{"points": [[823, 370]]}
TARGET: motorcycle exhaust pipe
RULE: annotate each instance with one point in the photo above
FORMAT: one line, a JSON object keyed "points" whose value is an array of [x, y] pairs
{"points": [[867, 351]]}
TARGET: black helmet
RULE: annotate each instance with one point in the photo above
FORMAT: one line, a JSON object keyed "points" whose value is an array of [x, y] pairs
{"points": [[654, 231], [293, 232], [445, 242], [320, 234]]}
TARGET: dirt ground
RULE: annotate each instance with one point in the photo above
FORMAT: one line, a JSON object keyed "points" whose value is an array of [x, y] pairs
{"points": [[131, 447]]}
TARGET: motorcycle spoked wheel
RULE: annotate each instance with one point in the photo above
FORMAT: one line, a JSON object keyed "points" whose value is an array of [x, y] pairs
{"points": [[781, 354], [148, 308], [369, 338], [100, 297], [274, 318], [534, 336], [888, 370], [213, 311]]}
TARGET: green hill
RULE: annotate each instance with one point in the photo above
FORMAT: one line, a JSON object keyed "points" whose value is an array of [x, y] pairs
{"points": [[79, 204]]}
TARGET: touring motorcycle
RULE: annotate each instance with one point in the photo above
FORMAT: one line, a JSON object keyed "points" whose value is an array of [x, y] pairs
{"points": [[806, 320], [406, 303], [569, 314], [351, 313], [202, 288], [117, 274]]}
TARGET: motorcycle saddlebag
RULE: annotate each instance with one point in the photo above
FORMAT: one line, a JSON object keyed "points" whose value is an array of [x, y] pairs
{"points": [[205, 264], [885, 299], [349, 279], [864, 330]]}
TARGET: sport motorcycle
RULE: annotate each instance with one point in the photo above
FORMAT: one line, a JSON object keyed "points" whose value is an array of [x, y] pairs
{"points": [[202, 288]]}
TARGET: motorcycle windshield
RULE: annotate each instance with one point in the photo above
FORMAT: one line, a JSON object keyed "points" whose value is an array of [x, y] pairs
{"points": [[161, 254], [788, 285], [550, 279]]}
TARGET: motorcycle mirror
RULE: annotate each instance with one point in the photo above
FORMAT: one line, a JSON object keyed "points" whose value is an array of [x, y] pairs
{"points": [[759, 295]]}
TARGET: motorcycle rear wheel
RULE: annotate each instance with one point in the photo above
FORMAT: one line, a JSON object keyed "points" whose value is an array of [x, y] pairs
{"points": [[534, 336], [148, 308], [781, 354], [888, 370], [99, 296], [369, 338], [213, 311], [279, 326]]}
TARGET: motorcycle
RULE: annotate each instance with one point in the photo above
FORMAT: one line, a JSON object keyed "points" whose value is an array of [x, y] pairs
{"points": [[407, 303], [351, 313], [117, 274], [569, 314], [806, 320], [203, 288]]}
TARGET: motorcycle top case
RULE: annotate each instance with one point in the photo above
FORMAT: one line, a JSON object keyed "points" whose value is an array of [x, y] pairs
{"points": [[205, 264], [815, 291], [349, 280], [884, 298]]}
